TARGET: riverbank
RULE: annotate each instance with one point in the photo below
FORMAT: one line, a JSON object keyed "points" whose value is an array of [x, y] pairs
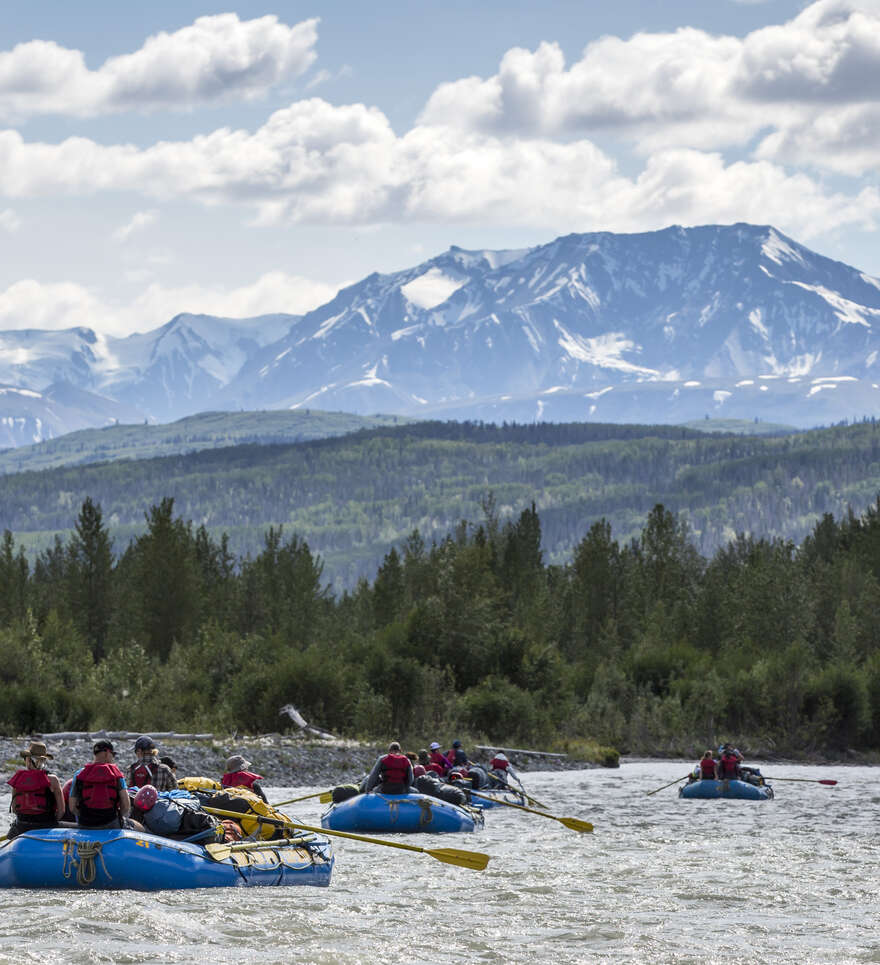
{"points": [[282, 759]]}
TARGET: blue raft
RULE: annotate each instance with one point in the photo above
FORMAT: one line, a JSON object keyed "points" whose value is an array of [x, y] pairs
{"points": [[117, 859], [399, 812], [733, 789], [497, 797]]}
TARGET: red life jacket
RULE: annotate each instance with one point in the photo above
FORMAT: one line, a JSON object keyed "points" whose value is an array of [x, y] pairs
{"points": [[437, 758], [142, 773], [240, 779], [436, 768], [97, 792], [707, 768], [497, 765], [394, 769], [728, 766], [32, 795]]}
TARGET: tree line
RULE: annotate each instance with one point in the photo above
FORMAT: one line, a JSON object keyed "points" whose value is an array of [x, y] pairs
{"points": [[642, 646], [354, 497]]}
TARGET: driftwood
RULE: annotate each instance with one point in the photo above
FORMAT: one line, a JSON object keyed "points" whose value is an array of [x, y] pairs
{"points": [[517, 750], [300, 722]]}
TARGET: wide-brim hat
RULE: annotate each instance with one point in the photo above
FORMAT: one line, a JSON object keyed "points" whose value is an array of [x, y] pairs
{"points": [[237, 763], [37, 749], [435, 746]]}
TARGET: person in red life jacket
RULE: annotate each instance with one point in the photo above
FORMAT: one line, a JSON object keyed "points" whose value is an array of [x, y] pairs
{"points": [[440, 763], [499, 770], [37, 800], [728, 764], [708, 769], [238, 775], [98, 797], [148, 769], [392, 773], [457, 755]]}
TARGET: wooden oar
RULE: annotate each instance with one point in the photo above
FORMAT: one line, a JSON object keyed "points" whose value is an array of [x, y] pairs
{"points": [[656, 789], [219, 852], [464, 859], [325, 796], [805, 780], [574, 823]]}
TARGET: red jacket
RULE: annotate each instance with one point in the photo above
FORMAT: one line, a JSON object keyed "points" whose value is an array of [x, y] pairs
{"points": [[32, 795], [240, 779]]}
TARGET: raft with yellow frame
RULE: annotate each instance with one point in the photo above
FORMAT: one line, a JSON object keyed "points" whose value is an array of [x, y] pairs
{"points": [[82, 858]]}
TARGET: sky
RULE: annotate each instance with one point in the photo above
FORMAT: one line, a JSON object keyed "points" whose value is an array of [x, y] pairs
{"points": [[254, 158]]}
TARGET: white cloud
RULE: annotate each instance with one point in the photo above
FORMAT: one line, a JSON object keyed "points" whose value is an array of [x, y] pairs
{"points": [[9, 220], [60, 305], [211, 60], [811, 84], [138, 221], [314, 162]]}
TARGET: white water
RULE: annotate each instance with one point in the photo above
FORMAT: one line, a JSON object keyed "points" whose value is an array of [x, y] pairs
{"points": [[661, 880]]}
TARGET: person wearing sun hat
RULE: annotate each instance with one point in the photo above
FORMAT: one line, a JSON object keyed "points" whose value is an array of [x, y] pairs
{"points": [[439, 761], [37, 801], [238, 775]]}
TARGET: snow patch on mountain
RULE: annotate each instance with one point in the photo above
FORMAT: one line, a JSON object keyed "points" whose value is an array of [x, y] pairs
{"points": [[778, 250], [431, 289]]}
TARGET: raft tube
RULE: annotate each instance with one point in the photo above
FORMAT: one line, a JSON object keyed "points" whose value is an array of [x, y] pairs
{"points": [[399, 812], [497, 797], [738, 790], [121, 859]]}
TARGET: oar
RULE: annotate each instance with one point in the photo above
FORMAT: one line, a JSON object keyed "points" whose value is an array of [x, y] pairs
{"points": [[325, 796], [219, 852], [533, 801], [464, 859], [573, 823], [805, 780], [656, 789]]}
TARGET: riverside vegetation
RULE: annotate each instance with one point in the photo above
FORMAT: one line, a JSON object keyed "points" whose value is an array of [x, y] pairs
{"points": [[643, 647]]}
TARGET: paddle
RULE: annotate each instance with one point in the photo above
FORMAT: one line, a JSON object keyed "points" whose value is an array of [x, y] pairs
{"points": [[656, 789], [219, 852], [573, 823], [325, 796], [464, 859], [805, 780]]}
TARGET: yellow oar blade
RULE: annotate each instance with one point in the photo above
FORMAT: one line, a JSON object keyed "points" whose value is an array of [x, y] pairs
{"points": [[576, 825], [474, 860], [465, 859], [326, 797], [219, 852]]}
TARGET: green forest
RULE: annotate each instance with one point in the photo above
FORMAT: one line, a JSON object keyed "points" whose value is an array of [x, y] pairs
{"points": [[644, 646], [355, 496]]}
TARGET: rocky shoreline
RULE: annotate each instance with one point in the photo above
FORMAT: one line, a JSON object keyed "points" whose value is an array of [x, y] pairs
{"points": [[282, 759]]}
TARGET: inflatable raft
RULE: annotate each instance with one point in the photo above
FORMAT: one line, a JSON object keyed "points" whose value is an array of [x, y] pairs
{"points": [[737, 790], [498, 797], [399, 812], [117, 859]]}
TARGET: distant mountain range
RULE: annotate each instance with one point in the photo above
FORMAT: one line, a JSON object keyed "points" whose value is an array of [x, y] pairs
{"points": [[669, 326]]}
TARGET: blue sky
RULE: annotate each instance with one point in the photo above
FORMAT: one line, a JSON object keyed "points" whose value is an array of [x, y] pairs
{"points": [[187, 157]]}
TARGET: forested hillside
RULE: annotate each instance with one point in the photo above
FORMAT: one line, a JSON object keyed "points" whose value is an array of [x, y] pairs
{"points": [[208, 430], [644, 647], [354, 497]]}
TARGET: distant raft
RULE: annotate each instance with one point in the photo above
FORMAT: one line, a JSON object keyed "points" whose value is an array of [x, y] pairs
{"points": [[120, 859], [733, 789], [498, 797], [409, 813]]}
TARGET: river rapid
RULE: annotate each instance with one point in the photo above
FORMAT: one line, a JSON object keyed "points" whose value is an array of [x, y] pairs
{"points": [[661, 880]]}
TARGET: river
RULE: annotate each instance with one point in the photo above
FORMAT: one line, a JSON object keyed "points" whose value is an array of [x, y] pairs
{"points": [[661, 880]]}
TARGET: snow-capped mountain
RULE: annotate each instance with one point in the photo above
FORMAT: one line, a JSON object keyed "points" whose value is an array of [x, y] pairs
{"points": [[663, 326]]}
